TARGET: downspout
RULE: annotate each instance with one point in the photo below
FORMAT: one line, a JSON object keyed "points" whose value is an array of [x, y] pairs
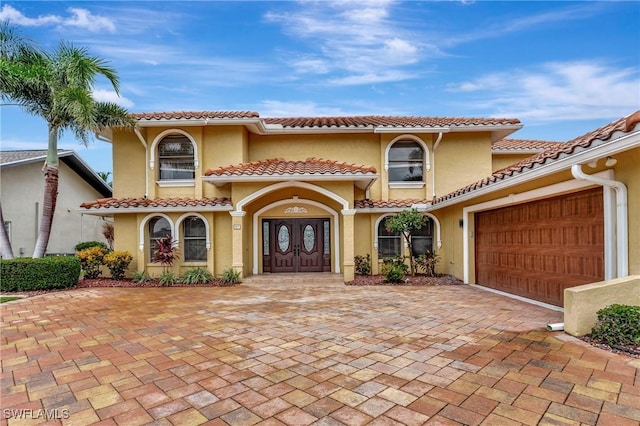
{"points": [[621, 222], [366, 190], [102, 138], [433, 166], [146, 166]]}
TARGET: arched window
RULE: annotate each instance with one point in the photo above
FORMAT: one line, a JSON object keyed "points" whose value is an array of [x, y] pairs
{"points": [[406, 162], [422, 240], [389, 242], [159, 227], [194, 239], [176, 158]]}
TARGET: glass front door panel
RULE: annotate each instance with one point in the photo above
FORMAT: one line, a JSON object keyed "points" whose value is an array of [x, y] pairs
{"points": [[283, 238], [309, 238]]}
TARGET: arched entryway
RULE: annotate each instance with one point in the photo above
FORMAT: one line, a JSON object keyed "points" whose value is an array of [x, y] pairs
{"points": [[304, 238]]}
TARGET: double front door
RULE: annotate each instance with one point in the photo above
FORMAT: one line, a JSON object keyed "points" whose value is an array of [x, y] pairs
{"points": [[296, 245]]}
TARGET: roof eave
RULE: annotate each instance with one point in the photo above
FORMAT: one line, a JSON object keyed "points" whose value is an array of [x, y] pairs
{"points": [[586, 155], [110, 211], [422, 207], [516, 151], [161, 122], [362, 181]]}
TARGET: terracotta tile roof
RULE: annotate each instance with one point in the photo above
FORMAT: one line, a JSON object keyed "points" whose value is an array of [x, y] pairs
{"points": [[345, 122], [388, 204], [194, 115], [124, 203], [386, 121], [528, 145], [598, 137], [281, 167]]}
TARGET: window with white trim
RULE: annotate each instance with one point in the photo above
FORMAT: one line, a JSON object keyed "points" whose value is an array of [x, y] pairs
{"points": [[176, 158], [422, 240], [194, 239], [159, 228], [389, 242], [406, 162]]}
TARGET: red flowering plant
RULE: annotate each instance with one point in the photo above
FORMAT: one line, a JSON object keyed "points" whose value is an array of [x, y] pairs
{"points": [[166, 252]]}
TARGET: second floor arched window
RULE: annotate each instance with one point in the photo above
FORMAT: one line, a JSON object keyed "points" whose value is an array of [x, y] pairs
{"points": [[406, 162], [176, 158]]}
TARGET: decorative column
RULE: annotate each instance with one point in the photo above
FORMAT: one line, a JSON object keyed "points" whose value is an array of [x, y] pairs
{"points": [[348, 241], [237, 219]]}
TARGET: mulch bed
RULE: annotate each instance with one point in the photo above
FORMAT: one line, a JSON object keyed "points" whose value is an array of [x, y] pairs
{"points": [[417, 280], [128, 283], [633, 351]]}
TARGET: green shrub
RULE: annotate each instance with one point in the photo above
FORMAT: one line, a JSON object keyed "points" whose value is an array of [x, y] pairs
{"points": [[141, 277], [618, 325], [168, 278], [363, 264], [88, 244], [394, 269], [90, 261], [196, 276], [230, 276], [427, 262], [47, 273], [117, 262]]}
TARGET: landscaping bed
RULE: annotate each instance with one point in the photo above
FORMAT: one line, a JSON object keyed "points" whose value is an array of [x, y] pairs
{"points": [[417, 280], [128, 283], [628, 350]]}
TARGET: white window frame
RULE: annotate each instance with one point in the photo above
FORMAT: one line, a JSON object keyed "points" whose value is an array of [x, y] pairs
{"points": [[376, 244], [426, 161], [179, 224], [154, 155]]}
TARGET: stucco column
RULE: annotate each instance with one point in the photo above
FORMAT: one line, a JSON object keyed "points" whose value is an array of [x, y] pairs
{"points": [[348, 239], [237, 219]]}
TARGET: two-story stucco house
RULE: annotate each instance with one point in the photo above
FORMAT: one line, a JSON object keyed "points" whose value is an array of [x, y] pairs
{"points": [[308, 194]]}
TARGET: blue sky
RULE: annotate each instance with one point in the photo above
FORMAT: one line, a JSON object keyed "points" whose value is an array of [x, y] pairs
{"points": [[562, 68]]}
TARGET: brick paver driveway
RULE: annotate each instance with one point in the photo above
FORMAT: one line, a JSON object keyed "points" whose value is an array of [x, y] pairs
{"points": [[296, 354]]}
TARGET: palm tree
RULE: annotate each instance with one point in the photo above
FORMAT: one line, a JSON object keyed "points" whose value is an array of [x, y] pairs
{"points": [[105, 177], [56, 86]]}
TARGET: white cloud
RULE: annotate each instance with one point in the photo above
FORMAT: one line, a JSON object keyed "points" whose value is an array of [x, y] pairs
{"points": [[11, 14], [102, 95], [79, 18], [273, 108], [82, 18], [311, 66], [384, 76], [557, 91], [350, 38]]}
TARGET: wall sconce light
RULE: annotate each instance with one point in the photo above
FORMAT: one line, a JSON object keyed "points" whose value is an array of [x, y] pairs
{"points": [[593, 164], [461, 223], [610, 162]]}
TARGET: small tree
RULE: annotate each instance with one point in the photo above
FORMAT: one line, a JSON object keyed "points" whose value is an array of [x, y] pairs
{"points": [[407, 222], [166, 252]]}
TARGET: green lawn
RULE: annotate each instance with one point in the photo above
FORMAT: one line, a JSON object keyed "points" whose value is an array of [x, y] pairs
{"points": [[8, 298]]}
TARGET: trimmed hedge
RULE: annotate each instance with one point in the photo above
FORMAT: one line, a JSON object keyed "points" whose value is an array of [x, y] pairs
{"points": [[88, 244], [47, 273], [618, 325]]}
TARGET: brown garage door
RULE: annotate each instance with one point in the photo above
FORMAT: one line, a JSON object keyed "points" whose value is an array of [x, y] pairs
{"points": [[538, 249]]}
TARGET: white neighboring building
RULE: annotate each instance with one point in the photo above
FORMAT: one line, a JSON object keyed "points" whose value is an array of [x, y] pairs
{"points": [[21, 195]]}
